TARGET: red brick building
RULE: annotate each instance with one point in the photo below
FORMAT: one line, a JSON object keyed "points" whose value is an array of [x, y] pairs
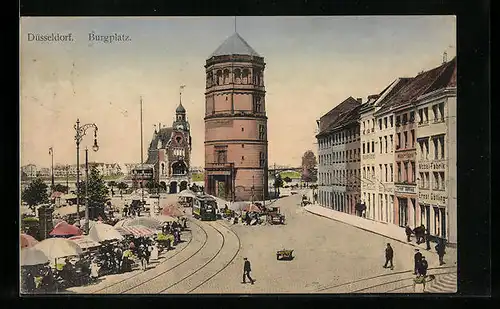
{"points": [[235, 122]]}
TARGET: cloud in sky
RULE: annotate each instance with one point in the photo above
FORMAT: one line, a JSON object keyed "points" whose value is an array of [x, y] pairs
{"points": [[313, 64]]}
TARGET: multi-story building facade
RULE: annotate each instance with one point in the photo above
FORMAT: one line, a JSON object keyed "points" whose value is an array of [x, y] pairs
{"points": [[169, 153], [338, 156], [30, 170], [236, 149], [437, 154], [368, 177], [385, 131]]}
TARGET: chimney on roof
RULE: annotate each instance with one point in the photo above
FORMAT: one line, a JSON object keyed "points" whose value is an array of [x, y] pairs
{"points": [[360, 100], [445, 57], [373, 97]]}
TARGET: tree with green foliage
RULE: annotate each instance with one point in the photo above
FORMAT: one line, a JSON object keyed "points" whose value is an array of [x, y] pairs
{"points": [[122, 186], [97, 193], [35, 194], [112, 184], [59, 188]]}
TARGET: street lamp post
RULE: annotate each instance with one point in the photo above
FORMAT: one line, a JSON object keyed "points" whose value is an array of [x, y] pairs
{"points": [[51, 153], [80, 133]]}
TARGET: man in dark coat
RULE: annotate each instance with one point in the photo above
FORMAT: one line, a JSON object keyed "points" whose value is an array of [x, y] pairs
{"points": [[418, 260], [419, 234], [408, 232], [389, 254], [422, 269], [440, 249], [246, 271]]}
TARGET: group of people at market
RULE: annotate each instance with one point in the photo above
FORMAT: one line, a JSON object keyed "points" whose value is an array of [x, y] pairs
{"points": [[111, 257]]}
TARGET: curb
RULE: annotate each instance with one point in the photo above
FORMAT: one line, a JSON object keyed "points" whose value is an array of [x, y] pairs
{"points": [[367, 230]]}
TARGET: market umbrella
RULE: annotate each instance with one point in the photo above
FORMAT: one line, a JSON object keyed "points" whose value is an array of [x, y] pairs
{"points": [[63, 228], [32, 256], [187, 193], [56, 248], [252, 208], [139, 230], [84, 242], [91, 223], [102, 232], [121, 223], [163, 218], [172, 211], [149, 222], [123, 231], [237, 206], [27, 241]]}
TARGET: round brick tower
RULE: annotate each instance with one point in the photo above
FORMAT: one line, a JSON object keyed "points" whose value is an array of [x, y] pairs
{"points": [[235, 123]]}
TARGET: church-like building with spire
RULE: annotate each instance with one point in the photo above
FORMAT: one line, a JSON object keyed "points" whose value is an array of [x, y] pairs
{"points": [[170, 152]]}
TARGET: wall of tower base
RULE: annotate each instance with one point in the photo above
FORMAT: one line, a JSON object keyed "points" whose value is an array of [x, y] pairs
{"points": [[248, 184]]}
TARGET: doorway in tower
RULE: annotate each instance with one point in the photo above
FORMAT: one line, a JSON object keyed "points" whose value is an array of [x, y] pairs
{"points": [[173, 187], [183, 185], [403, 211]]}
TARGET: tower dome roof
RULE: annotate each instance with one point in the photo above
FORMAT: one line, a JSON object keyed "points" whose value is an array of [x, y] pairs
{"points": [[234, 45], [180, 109]]}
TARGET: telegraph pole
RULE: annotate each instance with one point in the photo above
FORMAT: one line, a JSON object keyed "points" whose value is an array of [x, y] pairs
{"points": [[86, 226], [142, 161]]}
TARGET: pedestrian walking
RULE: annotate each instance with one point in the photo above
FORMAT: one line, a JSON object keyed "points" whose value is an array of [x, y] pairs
{"points": [[427, 239], [389, 254], [246, 271], [440, 249], [418, 260], [422, 268], [408, 232]]}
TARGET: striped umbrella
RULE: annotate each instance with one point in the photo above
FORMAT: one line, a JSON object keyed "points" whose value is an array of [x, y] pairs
{"points": [[139, 230], [122, 231], [28, 241], [65, 229], [84, 242]]}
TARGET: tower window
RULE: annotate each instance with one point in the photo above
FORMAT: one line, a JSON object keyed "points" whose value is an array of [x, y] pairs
{"points": [[242, 145], [242, 157], [242, 129], [262, 132]]}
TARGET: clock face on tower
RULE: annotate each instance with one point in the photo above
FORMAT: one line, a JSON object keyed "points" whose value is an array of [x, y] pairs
{"points": [[179, 127]]}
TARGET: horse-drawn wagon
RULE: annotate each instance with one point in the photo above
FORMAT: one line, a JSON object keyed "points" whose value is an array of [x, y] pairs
{"points": [[285, 254], [274, 216]]}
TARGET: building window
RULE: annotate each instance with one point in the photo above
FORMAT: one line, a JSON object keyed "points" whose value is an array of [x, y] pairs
{"points": [[373, 146], [392, 173], [242, 157], [405, 118], [435, 112], [242, 129], [436, 148], [391, 121], [435, 181], [373, 172], [380, 170], [368, 147], [363, 148], [221, 156], [426, 143], [392, 143], [242, 145], [385, 122], [398, 140], [385, 141], [385, 167], [441, 111], [398, 166], [427, 180], [262, 132], [405, 133], [406, 175], [421, 181], [380, 124], [412, 135], [261, 159], [420, 116], [412, 117], [413, 172], [380, 143], [441, 141], [398, 121], [426, 114]]}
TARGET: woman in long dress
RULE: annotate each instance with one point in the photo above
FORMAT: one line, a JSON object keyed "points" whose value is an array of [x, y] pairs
{"points": [[94, 270], [154, 253]]}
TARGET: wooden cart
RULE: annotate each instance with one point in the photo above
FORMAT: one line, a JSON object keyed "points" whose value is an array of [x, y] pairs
{"points": [[274, 216], [285, 254]]}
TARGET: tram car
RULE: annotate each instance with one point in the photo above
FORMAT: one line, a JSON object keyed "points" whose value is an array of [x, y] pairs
{"points": [[205, 208]]}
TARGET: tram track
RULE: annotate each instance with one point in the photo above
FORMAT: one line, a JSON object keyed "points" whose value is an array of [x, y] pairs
{"points": [[141, 272], [203, 267], [387, 275], [144, 280], [223, 268]]}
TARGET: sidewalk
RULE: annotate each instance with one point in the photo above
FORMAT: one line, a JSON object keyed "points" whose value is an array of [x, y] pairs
{"points": [[384, 229]]}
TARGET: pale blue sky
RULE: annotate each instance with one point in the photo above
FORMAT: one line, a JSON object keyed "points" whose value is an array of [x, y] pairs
{"points": [[313, 63]]}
